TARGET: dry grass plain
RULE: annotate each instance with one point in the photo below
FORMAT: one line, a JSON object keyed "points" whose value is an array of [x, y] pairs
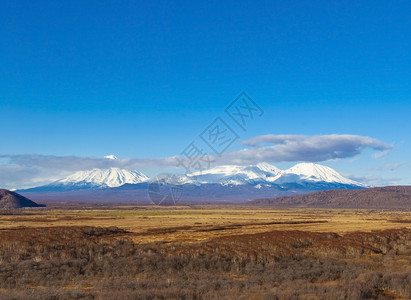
{"points": [[192, 224], [204, 252]]}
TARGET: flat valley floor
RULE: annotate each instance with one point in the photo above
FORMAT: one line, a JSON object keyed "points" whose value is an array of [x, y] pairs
{"points": [[204, 252]]}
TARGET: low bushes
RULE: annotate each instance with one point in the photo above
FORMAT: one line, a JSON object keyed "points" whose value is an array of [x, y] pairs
{"points": [[104, 263]]}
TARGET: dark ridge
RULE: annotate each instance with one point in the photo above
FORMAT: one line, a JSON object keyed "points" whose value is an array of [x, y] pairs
{"points": [[12, 200], [390, 197]]}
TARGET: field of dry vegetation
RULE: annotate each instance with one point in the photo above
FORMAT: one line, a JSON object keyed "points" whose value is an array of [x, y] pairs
{"points": [[204, 253]]}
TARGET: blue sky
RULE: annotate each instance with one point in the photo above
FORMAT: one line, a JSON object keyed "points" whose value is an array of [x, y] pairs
{"points": [[142, 79]]}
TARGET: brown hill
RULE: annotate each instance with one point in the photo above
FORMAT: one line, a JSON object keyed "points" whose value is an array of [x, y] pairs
{"points": [[11, 200], [390, 197]]}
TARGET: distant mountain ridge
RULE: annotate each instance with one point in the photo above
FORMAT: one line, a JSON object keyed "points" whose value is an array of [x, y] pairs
{"points": [[390, 197]]}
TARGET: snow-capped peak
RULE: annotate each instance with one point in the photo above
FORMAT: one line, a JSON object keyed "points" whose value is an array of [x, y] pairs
{"points": [[111, 156], [112, 177], [312, 173]]}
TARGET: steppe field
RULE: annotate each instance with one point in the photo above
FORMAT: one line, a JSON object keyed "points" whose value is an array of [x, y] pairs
{"points": [[204, 252]]}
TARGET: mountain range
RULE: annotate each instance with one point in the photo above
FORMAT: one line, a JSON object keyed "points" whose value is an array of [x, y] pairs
{"points": [[232, 183], [303, 174]]}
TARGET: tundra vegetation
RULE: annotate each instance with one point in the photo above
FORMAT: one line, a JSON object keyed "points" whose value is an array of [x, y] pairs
{"points": [[54, 254]]}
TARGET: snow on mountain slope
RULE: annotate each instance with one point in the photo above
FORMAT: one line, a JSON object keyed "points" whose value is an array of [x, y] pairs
{"points": [[112, 177], [265, 167], [236, 175], [266, 174], [111, 156], [301, 177], [310, 172]]}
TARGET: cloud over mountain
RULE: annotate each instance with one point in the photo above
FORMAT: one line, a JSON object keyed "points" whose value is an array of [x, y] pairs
{"points": [[18, 171], [277, 148]]}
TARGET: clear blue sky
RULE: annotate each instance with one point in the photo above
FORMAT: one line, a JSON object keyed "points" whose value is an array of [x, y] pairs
{"points": [[142, 79]]}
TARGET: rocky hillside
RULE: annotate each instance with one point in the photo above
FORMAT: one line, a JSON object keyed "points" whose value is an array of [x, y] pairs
{"points": [[12, 200], [391, 197]]}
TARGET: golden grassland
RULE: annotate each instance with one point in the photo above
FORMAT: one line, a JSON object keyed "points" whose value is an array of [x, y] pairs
{"points": [[204, 252], [192, 224]]}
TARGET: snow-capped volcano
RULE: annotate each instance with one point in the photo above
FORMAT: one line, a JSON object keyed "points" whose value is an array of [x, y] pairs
{"points": [[112, 177], [96, 178], [310, 172]]}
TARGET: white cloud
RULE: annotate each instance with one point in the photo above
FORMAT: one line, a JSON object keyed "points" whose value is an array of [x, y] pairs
{"points": [[278, 148], [380, 154], [377, 180], [389, 167]]}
